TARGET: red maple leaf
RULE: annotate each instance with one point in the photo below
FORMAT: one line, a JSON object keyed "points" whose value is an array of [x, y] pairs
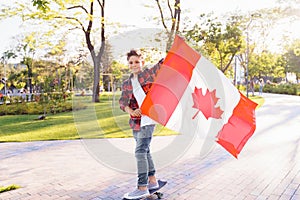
{"points": [[206, 104]]}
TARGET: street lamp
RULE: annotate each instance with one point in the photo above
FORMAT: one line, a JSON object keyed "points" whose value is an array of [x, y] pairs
{"points": [[247, 52]]}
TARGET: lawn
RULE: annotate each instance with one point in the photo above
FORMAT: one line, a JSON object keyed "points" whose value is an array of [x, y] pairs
{"points": [[258, 99], [99, 120]]}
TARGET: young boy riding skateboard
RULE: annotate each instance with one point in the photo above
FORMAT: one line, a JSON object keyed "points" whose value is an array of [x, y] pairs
{"points": [[134, 90]]}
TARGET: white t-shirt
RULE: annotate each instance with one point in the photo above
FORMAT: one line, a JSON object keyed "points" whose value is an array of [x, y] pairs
{"points": [[140, 95]]}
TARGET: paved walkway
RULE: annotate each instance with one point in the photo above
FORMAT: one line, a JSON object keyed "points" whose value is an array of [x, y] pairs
{"points": [[267, 168]]}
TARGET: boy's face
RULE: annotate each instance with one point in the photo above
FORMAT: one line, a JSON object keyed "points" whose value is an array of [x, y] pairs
{"points": [[135, 64]]}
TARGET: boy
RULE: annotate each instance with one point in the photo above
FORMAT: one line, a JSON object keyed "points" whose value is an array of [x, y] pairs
{"points": [[134, 90]]}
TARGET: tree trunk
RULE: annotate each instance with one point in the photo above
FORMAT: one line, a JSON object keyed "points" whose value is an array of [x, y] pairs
{"points": [[30, 79], [29, 64], [170, 41], [175, 24], [96, 80], [175, 16]]}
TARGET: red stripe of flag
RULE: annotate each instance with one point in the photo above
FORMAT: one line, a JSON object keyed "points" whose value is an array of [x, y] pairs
{"points": [[171, 82], [240, 126]]}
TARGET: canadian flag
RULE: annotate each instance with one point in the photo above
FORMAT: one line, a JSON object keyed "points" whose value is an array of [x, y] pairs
{"points": [[190, 94]]}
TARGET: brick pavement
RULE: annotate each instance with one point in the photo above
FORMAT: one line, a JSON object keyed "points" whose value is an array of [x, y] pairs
{"points": [[267, 168]]}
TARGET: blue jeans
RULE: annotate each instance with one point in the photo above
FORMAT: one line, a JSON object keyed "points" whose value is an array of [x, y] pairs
{"points": [[145, 165], [260, 90]]}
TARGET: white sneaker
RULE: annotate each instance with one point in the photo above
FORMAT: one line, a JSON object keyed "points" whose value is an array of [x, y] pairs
{"points": [[153, 186], [137, 194]]}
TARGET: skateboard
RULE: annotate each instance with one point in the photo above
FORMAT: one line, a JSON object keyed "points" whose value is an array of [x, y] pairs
{"points": [[153, 192]]}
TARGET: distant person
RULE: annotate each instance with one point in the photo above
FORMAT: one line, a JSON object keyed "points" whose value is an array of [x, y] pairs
{"points": [[252, 86], [261, 86]]}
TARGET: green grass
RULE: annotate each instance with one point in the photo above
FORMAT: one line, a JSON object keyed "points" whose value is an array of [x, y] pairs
{"points": [[8, 188], [257, 99], [99, 120], [27, 128]]}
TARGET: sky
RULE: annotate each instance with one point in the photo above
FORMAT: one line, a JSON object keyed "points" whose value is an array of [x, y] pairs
{"points": [[135, 13]]}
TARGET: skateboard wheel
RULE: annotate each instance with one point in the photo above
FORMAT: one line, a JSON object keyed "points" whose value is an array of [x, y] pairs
{"points": [[159, 195]]}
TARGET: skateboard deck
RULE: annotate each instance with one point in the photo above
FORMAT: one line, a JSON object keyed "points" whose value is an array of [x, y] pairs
{"points": [[153, 192]]}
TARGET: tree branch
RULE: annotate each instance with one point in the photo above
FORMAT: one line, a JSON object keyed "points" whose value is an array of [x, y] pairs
{"points": [[73, 18], [221, 59], [178, 16], [90, 20], [228, 64], [175, 17], [162, 16], [101, 4], [83, 8], [101, 52], [171, 11], [88, 31]]}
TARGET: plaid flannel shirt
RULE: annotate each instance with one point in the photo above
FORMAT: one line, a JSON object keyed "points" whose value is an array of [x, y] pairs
{"points": [[127, 98]]}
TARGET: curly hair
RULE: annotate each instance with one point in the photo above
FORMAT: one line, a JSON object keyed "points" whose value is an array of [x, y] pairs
{"points": [[133, 52]]}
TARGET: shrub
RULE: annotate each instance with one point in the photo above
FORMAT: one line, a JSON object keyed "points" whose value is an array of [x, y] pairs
{"points": [[241, 87], [291, 89], [48, 103]]}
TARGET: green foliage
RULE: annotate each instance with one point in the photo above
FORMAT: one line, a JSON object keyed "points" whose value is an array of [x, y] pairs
{"points": [[41, 5], [45, 103], [8, 188], [117, 70], [267, 64], [218, 41], [293, 57], [241, 87], [59, 18], [7, 55], [291, 89]]}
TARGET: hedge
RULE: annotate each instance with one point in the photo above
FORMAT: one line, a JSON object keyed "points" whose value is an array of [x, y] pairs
{"points": [[291, 89], [39, 104]]}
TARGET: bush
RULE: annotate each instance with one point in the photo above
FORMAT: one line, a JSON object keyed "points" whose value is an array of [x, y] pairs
{"points": [[291, 89], [48, 103], [37, 108], [241, 87]]}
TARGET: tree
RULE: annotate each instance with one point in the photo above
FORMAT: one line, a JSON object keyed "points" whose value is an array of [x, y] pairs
{"points": [[7, 55], [118, 70], [26, 50], [107, 58], [174, 11], [70, 15], [217, 41], [57, 54], [293, 57], [266, 64], [79, 16]]}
